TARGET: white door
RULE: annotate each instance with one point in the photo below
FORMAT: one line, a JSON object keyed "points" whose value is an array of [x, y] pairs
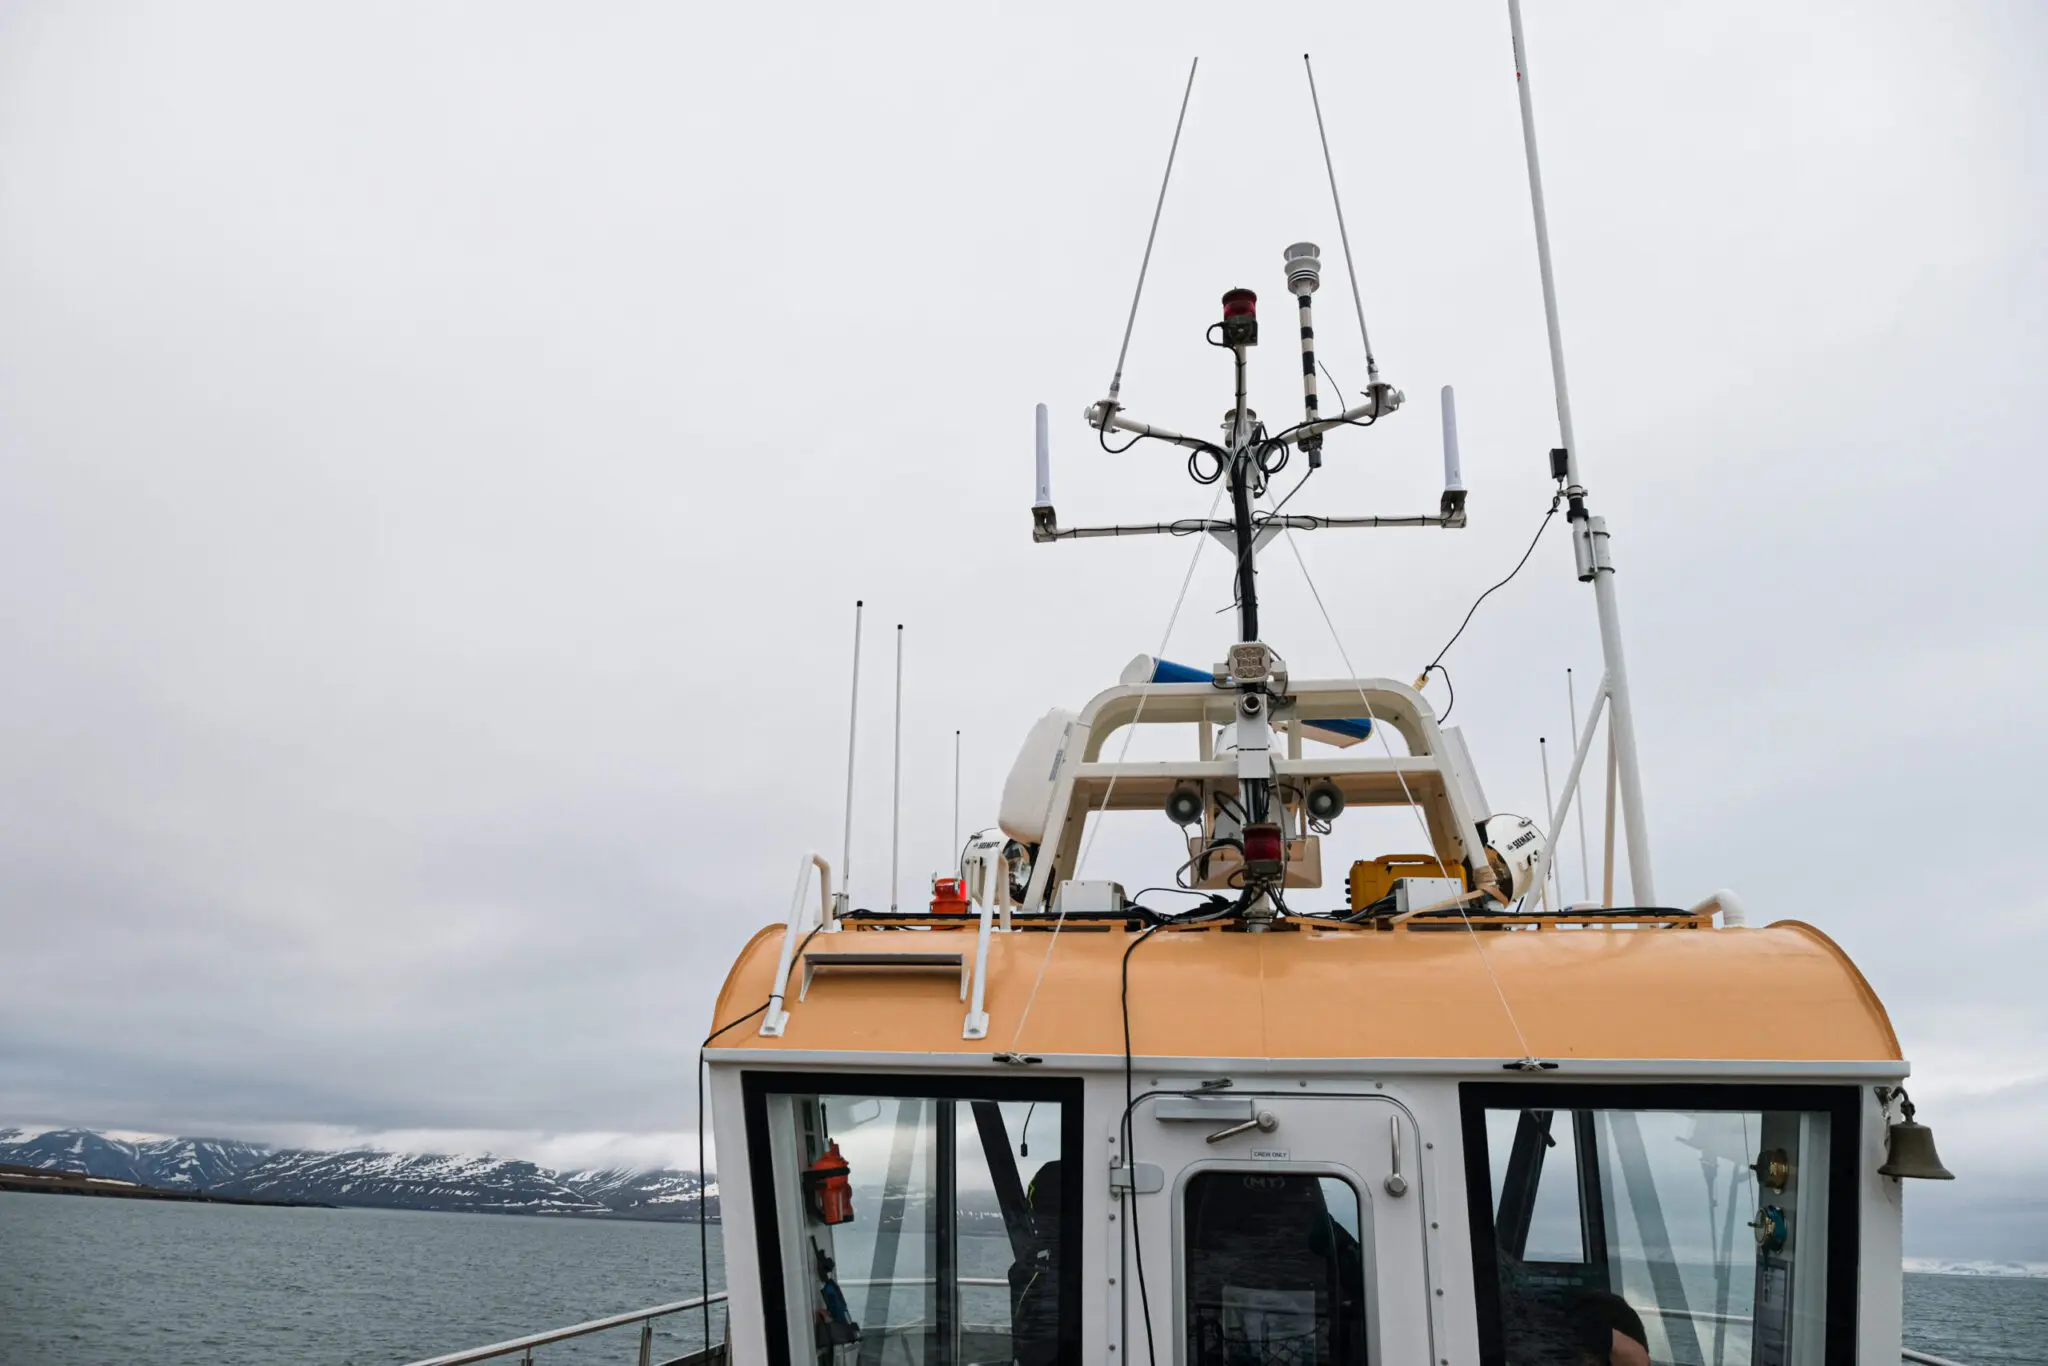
{"points": [[1275, 1227]]}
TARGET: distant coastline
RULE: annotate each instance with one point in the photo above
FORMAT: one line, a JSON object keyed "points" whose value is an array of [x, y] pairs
{"points": [[36, 1181], [362, 1178], [1956, 1266]]}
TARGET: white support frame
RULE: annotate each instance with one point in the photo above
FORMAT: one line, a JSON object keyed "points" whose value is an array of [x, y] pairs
{"points": [[1429, 773]]}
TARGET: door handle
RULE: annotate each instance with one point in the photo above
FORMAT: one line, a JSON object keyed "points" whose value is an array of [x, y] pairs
{"points": [[1396, 1184], [1265, 1121]]}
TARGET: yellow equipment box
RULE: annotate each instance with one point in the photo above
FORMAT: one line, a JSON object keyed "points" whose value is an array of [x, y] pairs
{"points": [[1373, 879]]}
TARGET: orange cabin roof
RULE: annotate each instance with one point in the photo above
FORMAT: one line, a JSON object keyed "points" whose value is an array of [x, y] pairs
{"points": [[1785, 993]]}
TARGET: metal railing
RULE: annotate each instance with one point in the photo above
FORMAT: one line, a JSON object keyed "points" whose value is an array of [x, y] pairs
{"points": [[523, 1347], [711, 1354]]}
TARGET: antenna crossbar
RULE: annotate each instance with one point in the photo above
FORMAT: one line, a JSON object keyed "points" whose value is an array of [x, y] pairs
{"points": [[1293, 521]]}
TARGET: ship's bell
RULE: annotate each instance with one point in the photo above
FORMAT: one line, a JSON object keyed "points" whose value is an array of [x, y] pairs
{"points": [[1911, 1150]]}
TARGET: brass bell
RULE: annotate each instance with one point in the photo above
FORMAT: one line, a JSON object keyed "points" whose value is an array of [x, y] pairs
{"points": [[1911, 1149]]}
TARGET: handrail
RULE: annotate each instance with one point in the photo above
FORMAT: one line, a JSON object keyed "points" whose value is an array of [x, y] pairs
{"points": [[776, 1017], [577, 1330]]}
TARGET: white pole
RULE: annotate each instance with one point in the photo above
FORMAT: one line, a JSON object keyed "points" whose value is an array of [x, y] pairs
{"points": [[896, 783], [1571, 692], [1553, 877], [1607, 877], [852, 734], [956, 799], [1589, 533]]}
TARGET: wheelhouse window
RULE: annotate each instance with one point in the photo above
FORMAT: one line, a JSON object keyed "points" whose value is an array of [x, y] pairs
{"points": [[1707, 1226], [916, 1228], [1274, 1272]]}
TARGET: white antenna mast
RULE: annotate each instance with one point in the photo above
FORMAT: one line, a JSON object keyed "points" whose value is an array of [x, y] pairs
{"points": [[1571, 692], [896, 782], [852, 734], [1589, 533], [956, 796]]}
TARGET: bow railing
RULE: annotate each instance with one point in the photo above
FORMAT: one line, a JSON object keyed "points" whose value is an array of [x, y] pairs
{"points": [[523, 1348]]}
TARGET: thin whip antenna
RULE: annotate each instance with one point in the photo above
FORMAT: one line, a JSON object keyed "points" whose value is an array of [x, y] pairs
{"points": [[1551, 876], [1116, 381], [1571, 691], [1372, 367], [956, 796], [852, 734], [896, 782]]}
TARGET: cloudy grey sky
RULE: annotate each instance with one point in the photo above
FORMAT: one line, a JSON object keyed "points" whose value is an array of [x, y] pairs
{"points": [[440, 446]]}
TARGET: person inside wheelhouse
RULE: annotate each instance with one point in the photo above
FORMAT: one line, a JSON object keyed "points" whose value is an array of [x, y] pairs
{"points": [[1713, 1225]]}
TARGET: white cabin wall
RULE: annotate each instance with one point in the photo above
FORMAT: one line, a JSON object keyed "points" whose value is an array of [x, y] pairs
{"points": [[1880, 1278], [1449, 1246], [746, 1326]]}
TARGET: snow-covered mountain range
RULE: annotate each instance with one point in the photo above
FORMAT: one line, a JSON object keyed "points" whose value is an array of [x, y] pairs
{"points": [[427, 1181]]}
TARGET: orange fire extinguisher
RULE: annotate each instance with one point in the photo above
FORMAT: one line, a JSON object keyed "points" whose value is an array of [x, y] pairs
{"points": [[830, 1189]]}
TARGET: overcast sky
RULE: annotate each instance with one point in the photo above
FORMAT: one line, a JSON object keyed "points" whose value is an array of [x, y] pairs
{"points": [[440, 446]]}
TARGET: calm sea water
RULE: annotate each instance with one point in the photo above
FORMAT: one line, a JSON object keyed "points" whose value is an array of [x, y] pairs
{"points": [[99, 1282], [87, 1282]]}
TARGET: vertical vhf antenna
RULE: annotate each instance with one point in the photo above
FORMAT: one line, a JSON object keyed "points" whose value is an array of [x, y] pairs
{"points": [[896, 780], [956, 796], [1551, 875], [841, 897], [1589, 533]]}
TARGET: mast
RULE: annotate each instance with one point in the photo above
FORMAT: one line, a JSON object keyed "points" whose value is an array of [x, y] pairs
{"points": [[1241, 331], [1590, 553]]}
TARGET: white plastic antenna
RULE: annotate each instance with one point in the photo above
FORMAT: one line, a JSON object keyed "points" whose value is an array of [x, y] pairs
{"points": [[841, 901], [1044, 499], [1454, 469]]}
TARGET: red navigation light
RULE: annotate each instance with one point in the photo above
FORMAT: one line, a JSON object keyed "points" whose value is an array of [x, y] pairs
{"points": [[1240, 319], [1265, 851]]}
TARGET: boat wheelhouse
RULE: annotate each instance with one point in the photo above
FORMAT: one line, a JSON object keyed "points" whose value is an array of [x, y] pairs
{"points": [[1401, 1135]]}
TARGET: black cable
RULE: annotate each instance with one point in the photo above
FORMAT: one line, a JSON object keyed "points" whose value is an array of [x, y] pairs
{"points": [[1130, 1162], [1540, 527], [703, 1235], [1335, 387], [1448, 689], [1267, 516], [1130, 1104], [1102, 440]]}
